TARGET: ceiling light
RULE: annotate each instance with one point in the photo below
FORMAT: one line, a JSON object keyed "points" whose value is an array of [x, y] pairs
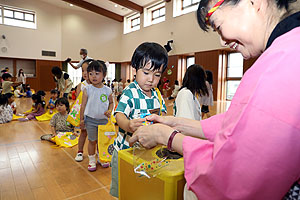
{"points": [[116, 5], [71, 4]]}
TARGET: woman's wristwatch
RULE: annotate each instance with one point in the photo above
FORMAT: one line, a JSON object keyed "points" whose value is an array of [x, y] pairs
{"points": [[170, 141]]}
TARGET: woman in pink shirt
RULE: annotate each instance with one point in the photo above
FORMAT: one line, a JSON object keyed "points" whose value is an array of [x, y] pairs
{"points": [[252, 151]]}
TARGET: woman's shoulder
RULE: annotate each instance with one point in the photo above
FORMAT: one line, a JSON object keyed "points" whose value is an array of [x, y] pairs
{"points": [[185, 91]]}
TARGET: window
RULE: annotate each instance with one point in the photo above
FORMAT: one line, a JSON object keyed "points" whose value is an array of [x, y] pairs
{"points": [[132, 23], [234, 73], [17, 17], [155, 14], [111, 72], [190, 61], [135, 22], [75, 74], [181, 7]]}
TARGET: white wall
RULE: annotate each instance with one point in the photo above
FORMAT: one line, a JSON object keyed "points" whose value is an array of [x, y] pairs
{"points": [[100, 35], [29, 43], [184, 30]]}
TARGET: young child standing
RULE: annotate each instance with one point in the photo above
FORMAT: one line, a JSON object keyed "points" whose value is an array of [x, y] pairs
{"points": [[149, 60], [96, 107], [80, 87], [38, 108], [7, 83], [6, 113]]}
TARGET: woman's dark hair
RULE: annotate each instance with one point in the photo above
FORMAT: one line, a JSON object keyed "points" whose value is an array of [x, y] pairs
{"points": [[146, 52], [176, 82], [194, 80], [120, 80], [63, 101], [6, 76], [20, 72], [41, 93], [98, 66], [9, 95], [38, 99], [128, 80], [209, 77], [3, 100], [56, 71], [203, 10]]}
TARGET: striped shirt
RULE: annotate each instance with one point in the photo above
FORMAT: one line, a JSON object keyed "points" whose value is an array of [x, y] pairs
{"points": [[132, 104]]}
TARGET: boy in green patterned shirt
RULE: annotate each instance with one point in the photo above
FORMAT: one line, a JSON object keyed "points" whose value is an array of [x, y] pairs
{"points": [[150, 61]]}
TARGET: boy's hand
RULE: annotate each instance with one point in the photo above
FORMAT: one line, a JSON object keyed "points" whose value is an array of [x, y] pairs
{"points": [[108, 113], [134, 124], [82, 125]]}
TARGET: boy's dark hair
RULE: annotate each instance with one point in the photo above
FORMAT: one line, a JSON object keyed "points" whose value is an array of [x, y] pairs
{"points": [[6, 76], [57, 71], [9, 95], [38, 99], [176, 82], [63, 101], [3, 100], [54, 92], [194, 80], [146, 52], [209, 77], [118, 97], [128, 80], [98, 66], [41, 93]]}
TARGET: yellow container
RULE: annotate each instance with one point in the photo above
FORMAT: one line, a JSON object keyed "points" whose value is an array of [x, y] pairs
{"points": [[167, 185]]}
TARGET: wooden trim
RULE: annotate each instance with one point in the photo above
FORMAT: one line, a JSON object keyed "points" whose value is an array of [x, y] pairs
{"points": [[130, 5], [233, 79], [96, 9]]}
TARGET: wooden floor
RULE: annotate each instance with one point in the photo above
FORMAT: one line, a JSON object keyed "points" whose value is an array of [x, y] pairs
{"points": [[32, 169]]}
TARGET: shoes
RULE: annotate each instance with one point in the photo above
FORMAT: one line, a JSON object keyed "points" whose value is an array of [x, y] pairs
{"points": [[105, 165], [92, 163], [79, 157], [23, 119]]}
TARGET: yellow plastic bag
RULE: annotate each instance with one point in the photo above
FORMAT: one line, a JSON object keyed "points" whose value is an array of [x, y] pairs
{"points": [[47, 116], [106, 136], [74, 115], [15, 117], [29, 111], [65, 139]]}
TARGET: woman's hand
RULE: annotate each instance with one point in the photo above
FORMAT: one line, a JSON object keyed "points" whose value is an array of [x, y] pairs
{"points": [[166, 120], [134, 124], [150, 136]]}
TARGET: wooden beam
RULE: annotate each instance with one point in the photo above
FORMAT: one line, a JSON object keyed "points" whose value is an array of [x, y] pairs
{"points": [[130, 5], [96, 9]]}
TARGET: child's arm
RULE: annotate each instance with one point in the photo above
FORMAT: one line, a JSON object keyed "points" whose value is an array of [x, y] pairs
{"points": [[37, 108], [82, 108], [78, 90], [128, 125], [110, 107]]}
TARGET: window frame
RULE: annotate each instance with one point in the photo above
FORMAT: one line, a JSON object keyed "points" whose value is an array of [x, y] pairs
{"points": [[131, 22], [188, 6], [159, 10]]}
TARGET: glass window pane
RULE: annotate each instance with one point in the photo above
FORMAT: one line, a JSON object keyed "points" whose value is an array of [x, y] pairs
{"points": [[19, 15], [186, 3], [155, 14], [231, 87], [162, 11], [190, 61], [29, 17], [0, 11], [8, 13], [138, 20], [195, 1], [235, 65]]}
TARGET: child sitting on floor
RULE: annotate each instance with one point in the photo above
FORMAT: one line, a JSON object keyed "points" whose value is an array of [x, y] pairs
{"points": [[38, 108], [6, 112], [11, 102], [54, 94], [59, 122], [18, 93]]}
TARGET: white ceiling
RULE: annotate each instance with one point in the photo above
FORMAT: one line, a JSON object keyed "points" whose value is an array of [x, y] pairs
{"points": [[106, 4]]}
